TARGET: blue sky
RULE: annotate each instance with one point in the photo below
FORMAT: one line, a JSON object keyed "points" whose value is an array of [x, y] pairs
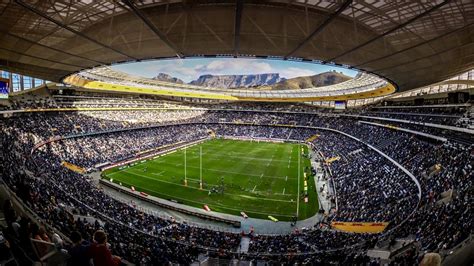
{"points": [[191, 69]]}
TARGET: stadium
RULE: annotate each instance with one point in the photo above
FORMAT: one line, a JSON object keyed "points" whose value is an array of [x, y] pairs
{"points": [[236, 132]]}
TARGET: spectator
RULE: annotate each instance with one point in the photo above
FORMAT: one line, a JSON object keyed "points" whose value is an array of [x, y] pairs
{"points": [[9, 212], [39, 233], [431, 259], [79, 251], [368, 186], [100, 253]]}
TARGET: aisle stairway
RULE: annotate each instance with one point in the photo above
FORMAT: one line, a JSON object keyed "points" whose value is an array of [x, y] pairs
{"points": [[244, 244]]}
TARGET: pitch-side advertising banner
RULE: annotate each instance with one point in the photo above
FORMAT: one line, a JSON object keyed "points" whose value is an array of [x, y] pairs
{"points": [[354, 227]]}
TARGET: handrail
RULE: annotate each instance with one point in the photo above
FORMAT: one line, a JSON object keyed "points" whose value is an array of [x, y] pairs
{"points": [[423, 106], [452, 128], [328, 170], [52, 249], [30, 212], [406, 130], [446, 253], [415, 114], [392, 161]]}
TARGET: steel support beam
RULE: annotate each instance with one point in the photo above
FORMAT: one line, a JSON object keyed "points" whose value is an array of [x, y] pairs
{"points": [[22, 84], [33, 70], [416, 45], [52, 48], [427, 12], [10, 83], [239, 4], [66, 27], [320, 28], [41, 58], [152, 27]]}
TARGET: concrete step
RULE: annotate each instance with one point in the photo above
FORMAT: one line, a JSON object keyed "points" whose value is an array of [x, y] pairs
{"points": [[244, 244]]}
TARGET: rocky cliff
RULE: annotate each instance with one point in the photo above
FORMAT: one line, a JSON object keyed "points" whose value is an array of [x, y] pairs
{"points": [[236, 81]]}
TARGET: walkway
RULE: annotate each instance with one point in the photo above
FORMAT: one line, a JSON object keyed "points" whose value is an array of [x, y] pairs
{"points": [[244, 245]]}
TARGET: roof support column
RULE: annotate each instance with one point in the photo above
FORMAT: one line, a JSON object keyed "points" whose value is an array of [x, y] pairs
{"points": [[10, 85], [22, 85], [239, 4]]}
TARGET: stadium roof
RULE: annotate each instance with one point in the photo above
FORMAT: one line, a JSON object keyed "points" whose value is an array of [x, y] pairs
{"points": [[107, 79], [411, 43]]}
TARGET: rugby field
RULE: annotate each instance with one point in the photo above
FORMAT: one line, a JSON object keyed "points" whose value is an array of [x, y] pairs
{"points": [[258, 178]]}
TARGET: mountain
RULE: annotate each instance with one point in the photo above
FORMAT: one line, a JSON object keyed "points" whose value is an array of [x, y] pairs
{"points": [[270, 81], [319, 80], [167, 78], [237, 81]]}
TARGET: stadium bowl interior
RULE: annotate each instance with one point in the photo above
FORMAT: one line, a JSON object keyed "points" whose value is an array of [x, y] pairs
{"points": [[103, 166]]}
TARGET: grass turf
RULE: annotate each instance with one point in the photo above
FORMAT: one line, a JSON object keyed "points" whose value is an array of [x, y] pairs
{"points": [[258, 178]]}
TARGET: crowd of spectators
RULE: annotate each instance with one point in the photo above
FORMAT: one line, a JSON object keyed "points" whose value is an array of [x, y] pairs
{"points": [[368, 186], [454, 116], [459, 116]]}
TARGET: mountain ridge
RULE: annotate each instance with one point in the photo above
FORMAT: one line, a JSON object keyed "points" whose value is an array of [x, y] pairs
{"points": [[168, 78], [267, 81], [237, 81], [304, 82]]}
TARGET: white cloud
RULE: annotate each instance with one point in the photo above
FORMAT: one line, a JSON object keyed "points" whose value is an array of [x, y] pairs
{"points": [[234, 66], [214, 67], [190, 69], [173, 69], [292, 72]]}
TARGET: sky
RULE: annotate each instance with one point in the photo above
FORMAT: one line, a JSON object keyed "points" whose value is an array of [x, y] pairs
{"points": [[190, 69]]}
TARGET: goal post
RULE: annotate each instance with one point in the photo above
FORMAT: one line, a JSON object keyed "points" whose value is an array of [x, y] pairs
{"points": [[185, 173], [299, 174], [200, 167]]}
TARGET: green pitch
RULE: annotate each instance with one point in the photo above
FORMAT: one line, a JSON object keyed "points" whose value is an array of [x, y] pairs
{"points": [[258, 178]]}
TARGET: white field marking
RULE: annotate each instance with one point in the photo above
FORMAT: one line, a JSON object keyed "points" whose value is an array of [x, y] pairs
{"points": [[261, 148], [216, 152], [158, 174], [220, 157], [253, 190], [251, 197], [126, 168], [239, 195], [230, 172], [121, 170], [220, 205], [213, 154], [263, 192], [247, 157], [159, 180], [204, 143], [261, 175], [285, 195]]}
